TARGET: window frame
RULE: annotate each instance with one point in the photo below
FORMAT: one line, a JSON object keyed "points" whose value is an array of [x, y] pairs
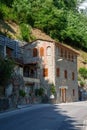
{"points": [[48, 51]]}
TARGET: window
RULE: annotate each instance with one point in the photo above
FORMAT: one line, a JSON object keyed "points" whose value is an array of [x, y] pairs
{"points": [[68, 55], [57, 72], [73, 92], [9, 51], [57, 50], [65, 74], [49, 51], [73, 76], [35, 52], [65, 54], [1, 50], [45, 72], [41, 51], [61, 52], [72, 58], [26, 71]]}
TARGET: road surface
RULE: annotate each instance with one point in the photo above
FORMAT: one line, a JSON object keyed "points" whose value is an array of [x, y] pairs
{"points": [[68, 116]]}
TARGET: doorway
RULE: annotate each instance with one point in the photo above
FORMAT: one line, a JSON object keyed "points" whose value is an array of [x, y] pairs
{"points": [[63, 94]]}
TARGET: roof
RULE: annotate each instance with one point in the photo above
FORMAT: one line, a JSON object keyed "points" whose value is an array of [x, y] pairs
{"points": [[67, 47], [57, 44]]}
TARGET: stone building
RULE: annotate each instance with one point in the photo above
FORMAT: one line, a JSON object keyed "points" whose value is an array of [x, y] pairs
{"points": [[40, 64], [53, 63]]}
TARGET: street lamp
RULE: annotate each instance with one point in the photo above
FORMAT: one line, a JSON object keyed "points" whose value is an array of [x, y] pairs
{"points": [[60, 59]]}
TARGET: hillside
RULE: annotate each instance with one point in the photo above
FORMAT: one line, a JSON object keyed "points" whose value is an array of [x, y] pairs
{"points": [[60, 19], [12, 30]]}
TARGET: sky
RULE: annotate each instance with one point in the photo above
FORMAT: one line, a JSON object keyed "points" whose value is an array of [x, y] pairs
{"points": [[83, 5]]}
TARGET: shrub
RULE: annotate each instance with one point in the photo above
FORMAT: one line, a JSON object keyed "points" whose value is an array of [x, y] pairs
{"points": [[25, 31], [82, 83], [39, 92], [83, 72], [22, 93], [52, 89], [6, 70]]}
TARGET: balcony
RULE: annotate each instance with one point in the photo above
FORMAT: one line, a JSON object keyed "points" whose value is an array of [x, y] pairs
{"points": [[31, 80], [31, 60]]}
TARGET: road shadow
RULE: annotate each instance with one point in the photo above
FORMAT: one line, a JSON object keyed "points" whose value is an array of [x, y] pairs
{"points": [[44, 118]]}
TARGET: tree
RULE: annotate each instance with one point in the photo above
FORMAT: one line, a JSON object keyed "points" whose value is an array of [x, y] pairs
{"points": [[66, 4], [58, 18], [7, 3], [6, 69], [83, 72]]}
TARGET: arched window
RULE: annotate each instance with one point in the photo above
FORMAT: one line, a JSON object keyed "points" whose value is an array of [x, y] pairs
{"points": [[35, 52], [41, 51], [49, 51]]}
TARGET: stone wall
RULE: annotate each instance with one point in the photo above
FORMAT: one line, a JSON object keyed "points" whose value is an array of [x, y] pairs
{"points": [[61, 81], [50, 61]]}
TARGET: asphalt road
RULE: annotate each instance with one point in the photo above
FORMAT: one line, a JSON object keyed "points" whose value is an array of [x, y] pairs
{"points": [[68, 116]]}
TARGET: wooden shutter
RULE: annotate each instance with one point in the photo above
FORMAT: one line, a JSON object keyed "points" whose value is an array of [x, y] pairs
{"points": [[73, 92], [73, 75], [65, 74], [34, 52], [57, 72], [41, 51], [45, 72]]}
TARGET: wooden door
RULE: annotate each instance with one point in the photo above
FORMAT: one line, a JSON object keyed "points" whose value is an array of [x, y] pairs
{"points": [[63, 94]]}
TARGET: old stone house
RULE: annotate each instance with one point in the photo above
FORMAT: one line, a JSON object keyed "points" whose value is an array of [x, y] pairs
{"points": [[55, 64], [42, 63]]}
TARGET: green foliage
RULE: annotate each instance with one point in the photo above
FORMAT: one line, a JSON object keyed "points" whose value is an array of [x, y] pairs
{"points": [[39, 92], [22, 9], [25, 31], [22, 93], [58, 18], [83, 72], [65, 4], [79, 78], [7, 13], [76, 26], [52, 89], [82, 83], [7, 2], [6, 69]]}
